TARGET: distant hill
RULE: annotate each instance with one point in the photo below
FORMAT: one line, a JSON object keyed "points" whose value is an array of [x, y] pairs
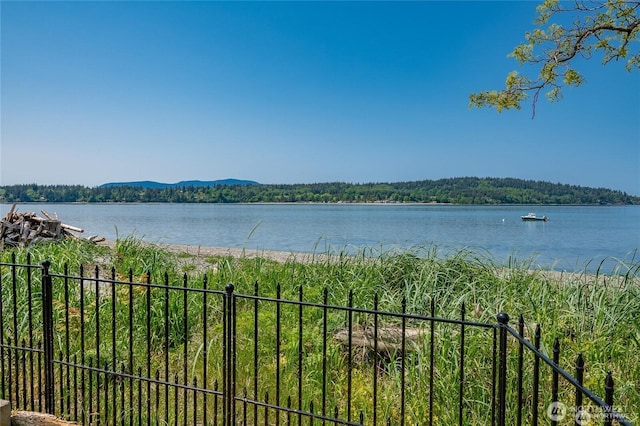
{"points": [[460, 190], [181, 184]]}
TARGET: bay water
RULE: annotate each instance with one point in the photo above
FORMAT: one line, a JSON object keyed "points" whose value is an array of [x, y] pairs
{"points": [[575, 239]]}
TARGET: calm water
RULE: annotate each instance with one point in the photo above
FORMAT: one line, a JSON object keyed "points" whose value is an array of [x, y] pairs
{"points": [[573, 237]]}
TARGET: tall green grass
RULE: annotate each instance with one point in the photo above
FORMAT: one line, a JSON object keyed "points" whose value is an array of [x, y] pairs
{"points": [[592, 314]]}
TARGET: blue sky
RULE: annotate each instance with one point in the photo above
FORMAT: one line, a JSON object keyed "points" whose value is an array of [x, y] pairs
{"points": [[294, 92]]}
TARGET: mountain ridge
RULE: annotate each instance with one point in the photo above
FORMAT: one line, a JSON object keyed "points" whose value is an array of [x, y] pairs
{"points": [[182, 183]]}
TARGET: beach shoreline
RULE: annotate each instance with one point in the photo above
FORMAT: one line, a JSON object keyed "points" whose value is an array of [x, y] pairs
{"points": [[212, 251], [201, 252]]}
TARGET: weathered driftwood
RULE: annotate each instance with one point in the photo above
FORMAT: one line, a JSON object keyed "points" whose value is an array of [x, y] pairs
{"points": [[28, 418], [22, 229], [388, 341]]}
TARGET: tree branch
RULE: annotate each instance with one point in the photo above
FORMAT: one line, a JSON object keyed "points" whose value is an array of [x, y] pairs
{"points": [[608, 27]]}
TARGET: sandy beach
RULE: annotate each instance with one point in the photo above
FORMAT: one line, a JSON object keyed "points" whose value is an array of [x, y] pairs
{"points": [[199, 253], [204, 251]]}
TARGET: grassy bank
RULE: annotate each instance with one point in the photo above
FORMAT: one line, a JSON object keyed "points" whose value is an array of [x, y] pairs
{"points": [[592, 314]]}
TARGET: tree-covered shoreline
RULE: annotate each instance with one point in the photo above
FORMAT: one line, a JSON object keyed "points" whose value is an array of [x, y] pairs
{"points": [[463, 190]]}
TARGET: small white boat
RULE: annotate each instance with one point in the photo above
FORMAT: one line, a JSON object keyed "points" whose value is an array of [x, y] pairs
{"points": [[532, 216]]}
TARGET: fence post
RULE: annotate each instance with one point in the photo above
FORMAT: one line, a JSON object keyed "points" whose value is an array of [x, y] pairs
{"points": [[608, 399], [579, 378], [554, 378], [520, 368], [461, 367], [536, 378], [47, 328], [228, 411], [503, 321]]}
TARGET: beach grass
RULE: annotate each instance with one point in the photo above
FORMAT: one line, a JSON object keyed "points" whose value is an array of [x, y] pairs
{"points": [[595, 315]]}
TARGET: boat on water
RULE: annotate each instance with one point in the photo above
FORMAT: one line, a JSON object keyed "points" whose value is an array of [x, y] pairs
{"points": [[532, 217]]}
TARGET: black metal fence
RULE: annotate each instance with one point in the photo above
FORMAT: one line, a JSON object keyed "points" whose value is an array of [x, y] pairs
{"points": [[123, 350]]}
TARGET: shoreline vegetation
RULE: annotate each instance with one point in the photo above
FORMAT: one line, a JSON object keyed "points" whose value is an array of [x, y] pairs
{"points": [[463, 190], [594, 315], [195, 252]]}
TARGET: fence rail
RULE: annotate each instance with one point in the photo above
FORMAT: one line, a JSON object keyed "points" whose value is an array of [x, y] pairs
{"points": [[106, 350]]}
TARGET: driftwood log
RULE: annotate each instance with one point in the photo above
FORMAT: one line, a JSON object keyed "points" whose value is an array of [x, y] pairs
{"points": [[22, 229], [387, 343], [28, 418]]}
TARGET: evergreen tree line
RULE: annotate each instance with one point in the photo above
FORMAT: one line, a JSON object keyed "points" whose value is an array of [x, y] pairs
{"points": [[464, 190]]}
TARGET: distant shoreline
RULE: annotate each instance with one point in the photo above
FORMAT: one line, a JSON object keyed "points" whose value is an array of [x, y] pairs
{"points": [[457, 191], [328, 203]]}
